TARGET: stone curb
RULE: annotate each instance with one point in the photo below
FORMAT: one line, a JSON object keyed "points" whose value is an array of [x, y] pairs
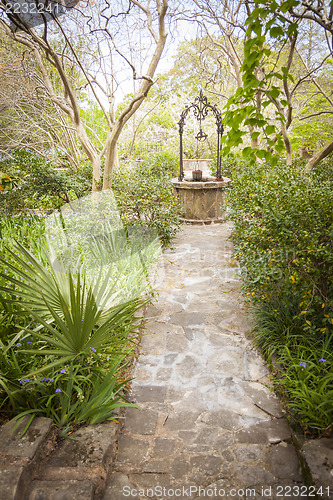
{"points": [[34, 467], [20, 457], [316, 459], [78, 469]]}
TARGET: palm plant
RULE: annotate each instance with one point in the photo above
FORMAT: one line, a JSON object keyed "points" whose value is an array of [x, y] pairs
{"points": [[74, 320], [78, 302], [72, 316]]}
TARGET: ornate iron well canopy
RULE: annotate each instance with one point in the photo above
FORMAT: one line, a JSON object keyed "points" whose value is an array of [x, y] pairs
{"points": [[201, 108]]}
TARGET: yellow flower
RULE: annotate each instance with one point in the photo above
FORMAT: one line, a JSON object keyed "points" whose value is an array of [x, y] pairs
{"points": [[292, 279]]}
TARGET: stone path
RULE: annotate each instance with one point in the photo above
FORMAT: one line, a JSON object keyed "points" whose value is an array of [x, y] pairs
{"points": [[208, 425], [208, 418]]}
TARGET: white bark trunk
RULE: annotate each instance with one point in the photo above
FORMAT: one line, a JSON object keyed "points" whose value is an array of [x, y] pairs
{"points": [[319, 156], [147, 82]]}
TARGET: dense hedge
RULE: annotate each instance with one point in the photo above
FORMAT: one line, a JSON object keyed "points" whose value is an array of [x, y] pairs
{"points": [[283, 232], [142, 189]]}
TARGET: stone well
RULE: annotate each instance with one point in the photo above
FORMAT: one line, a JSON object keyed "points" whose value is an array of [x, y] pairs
{"points": [[201, 201]]}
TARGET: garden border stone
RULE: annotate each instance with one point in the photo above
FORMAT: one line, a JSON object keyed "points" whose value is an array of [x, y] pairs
{"points": [[20, 457]]}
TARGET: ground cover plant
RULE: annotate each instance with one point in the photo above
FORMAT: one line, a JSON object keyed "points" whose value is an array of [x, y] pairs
{"points": [[283, 232]]}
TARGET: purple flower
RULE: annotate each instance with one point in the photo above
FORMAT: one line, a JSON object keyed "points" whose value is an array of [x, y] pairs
{"points": [[58, 390], [29, 342], [322, 360], [94, 350], [303, 364], [63, 370]]}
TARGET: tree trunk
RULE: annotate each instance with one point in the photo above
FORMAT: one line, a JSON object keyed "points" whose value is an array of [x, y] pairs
{"points": [[146, 84], [92, 155], [109, 163], [319, 156], [96, 168], [287, 143]]}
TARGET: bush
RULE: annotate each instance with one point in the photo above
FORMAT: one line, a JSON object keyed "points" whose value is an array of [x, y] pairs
{"points": [[283, 230], [37, 184], [145, 197], [229, 165]]}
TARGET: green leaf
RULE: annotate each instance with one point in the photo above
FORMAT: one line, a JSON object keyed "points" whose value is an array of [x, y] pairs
{"points": [[276, 32], [292, 29], [279, 146], [261, 153], [270, 142], [251, 121], [266, 103], [274, 92], [285, 6], [270, 129], [247, 151]]}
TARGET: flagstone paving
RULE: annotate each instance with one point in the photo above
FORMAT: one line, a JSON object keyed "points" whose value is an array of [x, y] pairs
{"points": [[207, 418]]}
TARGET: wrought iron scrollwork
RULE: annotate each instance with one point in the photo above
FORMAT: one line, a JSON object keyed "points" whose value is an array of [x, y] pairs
{"points": [[201, 107]]}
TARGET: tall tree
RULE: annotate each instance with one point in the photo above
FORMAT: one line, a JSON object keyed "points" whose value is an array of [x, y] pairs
{"points": [[83, 50], [277, 69], [28, 119]]}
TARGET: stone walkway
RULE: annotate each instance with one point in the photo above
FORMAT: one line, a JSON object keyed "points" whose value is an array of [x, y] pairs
{"points": [[209, 426]]}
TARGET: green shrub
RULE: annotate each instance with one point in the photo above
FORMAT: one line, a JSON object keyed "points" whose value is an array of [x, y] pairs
{"points": [[283, 231], [306, 382], [37, 184], [66, 334], [229, 165], [283, 236], [145, 197]]}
